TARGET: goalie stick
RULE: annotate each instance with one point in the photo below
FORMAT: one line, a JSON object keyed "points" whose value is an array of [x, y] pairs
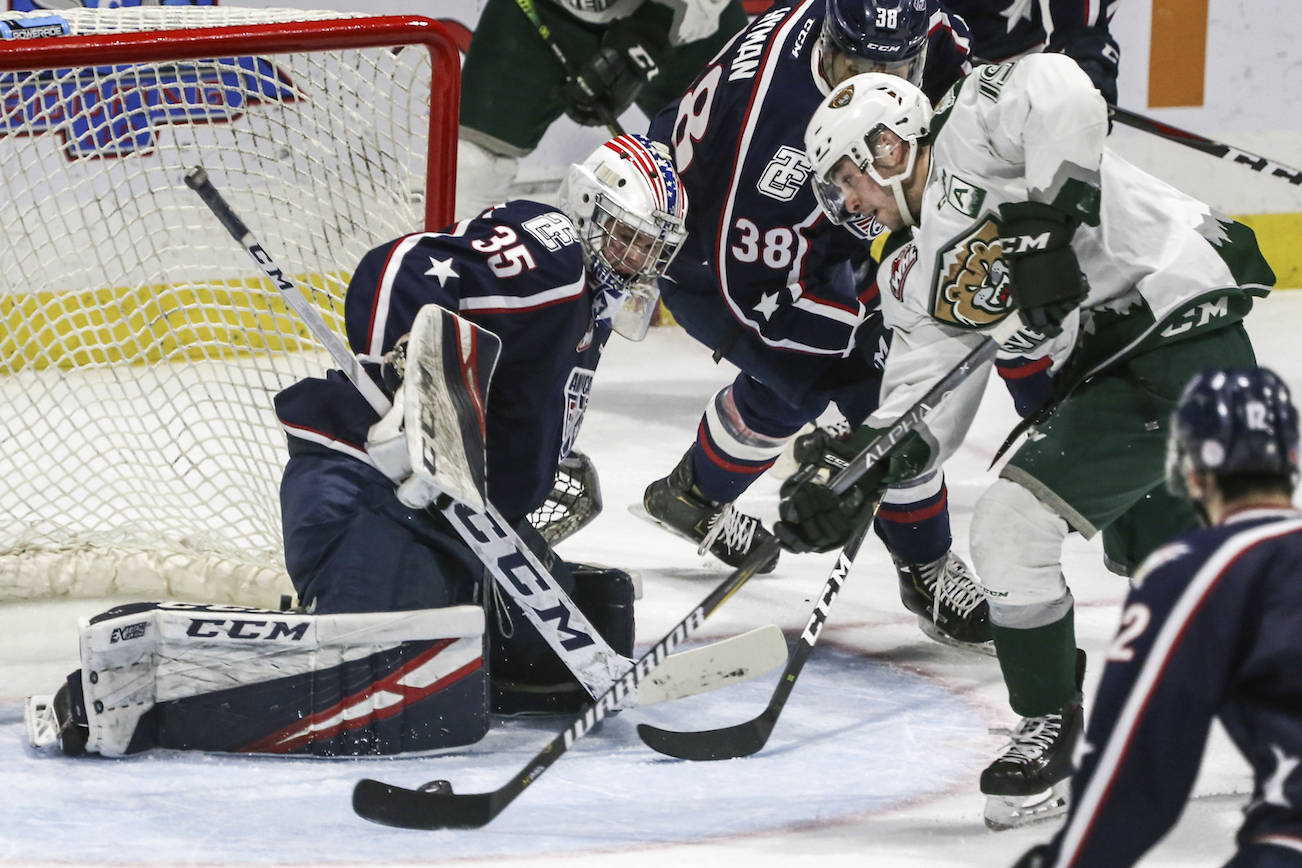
{"points": [[513, 565], [749, 737], [1253, 161], [424, 809]]}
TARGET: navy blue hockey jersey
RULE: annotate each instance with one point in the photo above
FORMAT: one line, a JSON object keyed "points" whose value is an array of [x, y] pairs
{"points": [[516, 270], [1212, 630], [1010, 28], [755, 231]]}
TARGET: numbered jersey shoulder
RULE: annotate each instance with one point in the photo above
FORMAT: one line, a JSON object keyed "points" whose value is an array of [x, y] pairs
{"points": [[520, 248]]}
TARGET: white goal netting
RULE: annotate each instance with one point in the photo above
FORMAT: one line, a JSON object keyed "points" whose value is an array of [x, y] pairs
{"points": [[139, 348]]}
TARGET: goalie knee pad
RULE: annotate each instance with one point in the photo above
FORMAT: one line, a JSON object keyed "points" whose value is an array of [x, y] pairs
{"points": [[234, 679]]}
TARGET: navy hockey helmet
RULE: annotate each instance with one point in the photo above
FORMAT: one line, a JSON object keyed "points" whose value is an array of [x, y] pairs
{"points": [[874, 36], [1231, 422]]}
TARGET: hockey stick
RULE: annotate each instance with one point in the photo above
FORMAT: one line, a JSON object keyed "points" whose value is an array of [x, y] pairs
{"points": [[545, 32], [1208, 146], [515, 568], [420, 809], [744, 739]]}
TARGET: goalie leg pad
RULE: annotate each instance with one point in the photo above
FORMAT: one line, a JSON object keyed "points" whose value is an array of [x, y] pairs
{"points": [[228, 678]]}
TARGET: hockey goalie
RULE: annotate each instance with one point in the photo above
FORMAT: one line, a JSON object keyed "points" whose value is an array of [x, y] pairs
{"points": [[401, 642]]}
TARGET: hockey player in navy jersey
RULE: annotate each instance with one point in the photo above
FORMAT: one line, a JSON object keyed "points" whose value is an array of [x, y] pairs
{"points": [[386, 652], [1211, 630], [1007, 29], [768, 283]]}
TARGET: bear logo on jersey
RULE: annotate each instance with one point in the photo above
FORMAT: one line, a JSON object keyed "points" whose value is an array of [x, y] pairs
{"points": [[972, 288]]}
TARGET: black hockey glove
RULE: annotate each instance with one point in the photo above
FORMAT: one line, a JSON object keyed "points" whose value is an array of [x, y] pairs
{"points": [[812, 517], [610, 80], [1047, 283], [1096, 52]]}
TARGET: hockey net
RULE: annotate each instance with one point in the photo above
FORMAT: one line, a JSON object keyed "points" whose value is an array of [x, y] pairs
{"points": [[139, 350]]}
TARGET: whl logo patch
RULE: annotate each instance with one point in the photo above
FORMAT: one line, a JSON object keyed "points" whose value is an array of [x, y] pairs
{"points": [[112, 111]]}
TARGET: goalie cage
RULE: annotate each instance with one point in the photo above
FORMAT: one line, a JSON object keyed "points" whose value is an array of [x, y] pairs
{"points": [[139, 350]]}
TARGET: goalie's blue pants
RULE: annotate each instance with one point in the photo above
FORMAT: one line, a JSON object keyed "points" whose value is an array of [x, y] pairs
{"points": [[351, 546]]}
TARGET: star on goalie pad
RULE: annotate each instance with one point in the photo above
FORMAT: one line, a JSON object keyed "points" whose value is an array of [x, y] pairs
{"points": [[442, 269]]}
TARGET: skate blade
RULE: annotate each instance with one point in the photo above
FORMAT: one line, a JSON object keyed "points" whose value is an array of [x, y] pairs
{"points": [[1013, 812], [640, 511], [936, 634], [42, 727]]}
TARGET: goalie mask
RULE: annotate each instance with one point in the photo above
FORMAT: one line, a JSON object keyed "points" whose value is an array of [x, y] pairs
{"points": [[628, 205], [1233, 422], [887, 36], [873, 123]]}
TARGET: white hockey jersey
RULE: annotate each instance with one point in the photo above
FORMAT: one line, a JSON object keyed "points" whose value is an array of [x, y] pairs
{"points": [[1160, 265]]}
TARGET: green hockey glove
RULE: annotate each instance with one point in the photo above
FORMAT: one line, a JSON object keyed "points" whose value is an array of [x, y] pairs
{"points": [[814, 518], [1047, 283]]}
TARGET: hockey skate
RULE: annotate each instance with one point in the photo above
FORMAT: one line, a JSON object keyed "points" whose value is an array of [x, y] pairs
{"points": [[950, 605], [1031, 780], [675, 504]]}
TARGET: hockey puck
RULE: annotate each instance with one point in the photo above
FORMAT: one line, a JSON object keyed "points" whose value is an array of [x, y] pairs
{"points": [[438, 786]]}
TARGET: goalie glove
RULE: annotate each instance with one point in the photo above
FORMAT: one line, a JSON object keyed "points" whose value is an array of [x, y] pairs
{"points": [[390, 452], [816, 519], [1046, 279], [609, 82]]}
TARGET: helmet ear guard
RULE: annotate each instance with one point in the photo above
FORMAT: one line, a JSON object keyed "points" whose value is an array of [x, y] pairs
{"points": [[628, 205]]}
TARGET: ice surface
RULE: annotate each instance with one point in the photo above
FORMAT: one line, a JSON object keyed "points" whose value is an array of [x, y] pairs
{"points": [[874, 762]]}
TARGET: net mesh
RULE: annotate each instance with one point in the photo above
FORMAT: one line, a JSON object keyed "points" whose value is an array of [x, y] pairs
{"points": [[139, 351]]}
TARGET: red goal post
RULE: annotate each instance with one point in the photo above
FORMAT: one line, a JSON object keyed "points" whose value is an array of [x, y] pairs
{"points": [[139, 350]]}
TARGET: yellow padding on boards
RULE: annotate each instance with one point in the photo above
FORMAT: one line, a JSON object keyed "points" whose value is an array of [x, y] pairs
{"points": [[162, 322], [1280, 239]]}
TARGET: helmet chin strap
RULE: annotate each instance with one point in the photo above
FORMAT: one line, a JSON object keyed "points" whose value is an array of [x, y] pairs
{"points": [[896, 184], [897, 187]]}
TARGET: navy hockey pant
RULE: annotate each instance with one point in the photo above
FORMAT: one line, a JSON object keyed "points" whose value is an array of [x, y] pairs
{"points": [[351, 546]]}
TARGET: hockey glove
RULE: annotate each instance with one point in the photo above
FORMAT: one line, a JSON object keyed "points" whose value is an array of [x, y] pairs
{"points": [[609, 82], [813, 517], [1047, 283], [1096, 52]]}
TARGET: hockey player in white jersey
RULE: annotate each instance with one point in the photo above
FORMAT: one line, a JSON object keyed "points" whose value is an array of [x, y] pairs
{"points": [[1130, 286]]}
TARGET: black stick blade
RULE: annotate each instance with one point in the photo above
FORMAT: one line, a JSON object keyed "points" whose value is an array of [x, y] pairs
{"points": [[414, 809], [730, 742]]}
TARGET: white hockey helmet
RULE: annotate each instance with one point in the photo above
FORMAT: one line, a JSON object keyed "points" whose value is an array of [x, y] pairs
{"points": [[866, 121], [628, 205]]}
